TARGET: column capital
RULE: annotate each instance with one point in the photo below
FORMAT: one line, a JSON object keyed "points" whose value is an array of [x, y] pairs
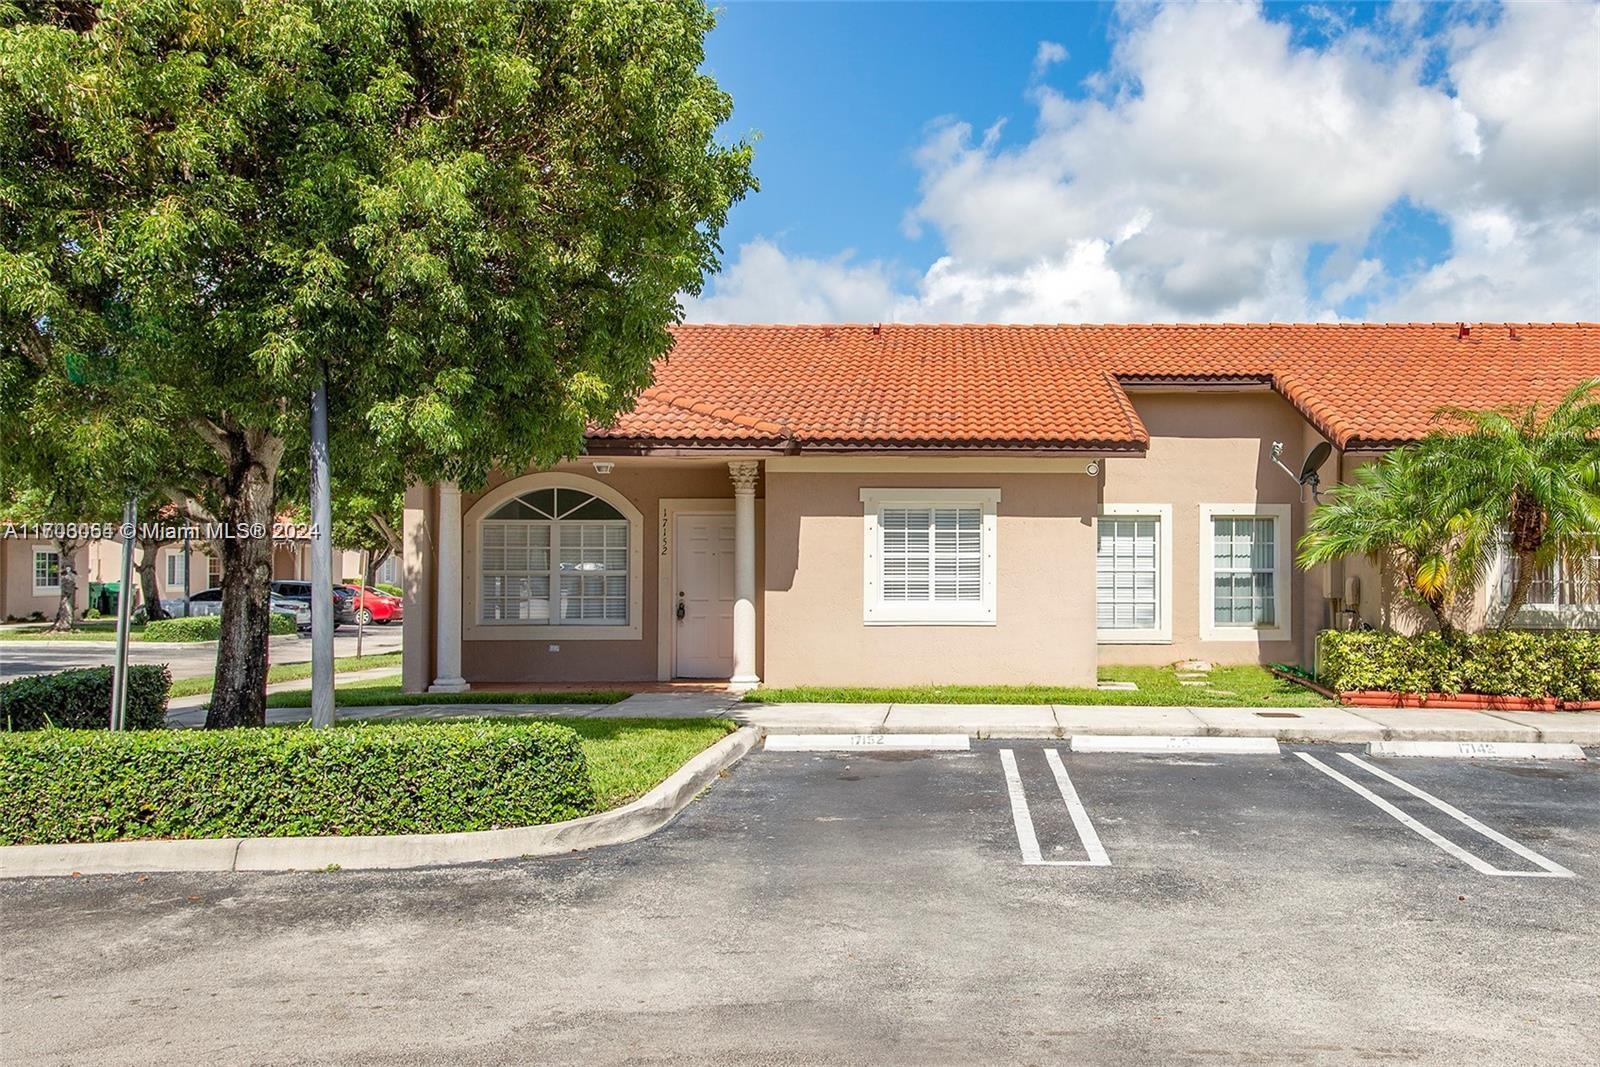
{"points": [[744, 473]]}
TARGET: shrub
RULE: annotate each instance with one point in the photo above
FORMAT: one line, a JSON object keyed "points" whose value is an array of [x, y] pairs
{"points": [[81, 699], [1558, 663], [205, 628], [279, 781], [389, 587]]}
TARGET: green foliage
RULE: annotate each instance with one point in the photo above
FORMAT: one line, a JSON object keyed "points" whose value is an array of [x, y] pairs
{"points": [[1557, 663], [479, 216], [392, 590], [1530, 474], [80, 699], [280, 781], [206, 628], [1237, 686], [475, 216], [1393, 513]]}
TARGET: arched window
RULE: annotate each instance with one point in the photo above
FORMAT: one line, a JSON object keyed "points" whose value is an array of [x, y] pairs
{"points": [[557, 545]]}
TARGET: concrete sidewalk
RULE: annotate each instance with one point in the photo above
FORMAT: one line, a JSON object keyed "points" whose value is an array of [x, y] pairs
{"points": [[1033, 720], [1284, 724]]}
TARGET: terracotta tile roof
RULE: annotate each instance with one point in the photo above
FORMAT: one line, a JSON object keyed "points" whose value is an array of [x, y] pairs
{"points": [[1061, 387]]}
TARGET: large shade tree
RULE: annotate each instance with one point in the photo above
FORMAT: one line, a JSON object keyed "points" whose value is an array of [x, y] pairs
{"points": [[474, 216]]}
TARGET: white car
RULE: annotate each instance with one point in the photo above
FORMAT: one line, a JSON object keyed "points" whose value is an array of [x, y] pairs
{"points": [[209, 602]]}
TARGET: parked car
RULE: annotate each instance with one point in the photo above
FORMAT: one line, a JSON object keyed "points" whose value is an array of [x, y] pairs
{"points": [[209, 602], [343, 612], [374, 606]]}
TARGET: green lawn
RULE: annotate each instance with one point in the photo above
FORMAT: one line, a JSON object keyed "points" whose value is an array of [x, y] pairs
{"points": [[629, 757], [371, 692], [88, 630], [290, 672], [1225, 687]]}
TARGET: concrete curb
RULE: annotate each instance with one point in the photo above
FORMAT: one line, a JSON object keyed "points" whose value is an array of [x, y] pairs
{"points": [[631, 822], [1334, 725]]}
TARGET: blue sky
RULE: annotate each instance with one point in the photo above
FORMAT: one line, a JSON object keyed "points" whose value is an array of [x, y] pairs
{"points": [[1104, 162]]}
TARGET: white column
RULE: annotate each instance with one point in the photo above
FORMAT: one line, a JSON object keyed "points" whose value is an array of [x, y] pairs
{"points": [[744, 474], [447, 623]]}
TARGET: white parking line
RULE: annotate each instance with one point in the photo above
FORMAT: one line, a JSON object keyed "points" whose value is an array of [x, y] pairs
{"points": [[1027, 839], [1550, 869], [1080, 814]]}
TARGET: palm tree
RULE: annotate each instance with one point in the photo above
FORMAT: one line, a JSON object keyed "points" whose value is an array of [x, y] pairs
{"points": [[1531, 474], [1392, 513]]}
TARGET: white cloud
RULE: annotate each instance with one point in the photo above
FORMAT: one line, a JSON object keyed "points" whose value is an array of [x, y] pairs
{"points": [[766, 285], [1213, 152], [1049, 54]]}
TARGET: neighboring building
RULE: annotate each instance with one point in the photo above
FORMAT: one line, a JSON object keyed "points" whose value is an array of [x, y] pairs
{"points": [[30, 570], [861, 505], [30, 579]]}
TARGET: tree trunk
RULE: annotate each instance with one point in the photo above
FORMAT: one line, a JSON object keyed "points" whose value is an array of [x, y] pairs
{"points": [[375, 562], [239, 696], [148, 551], [1520, 584], [68, 576]]}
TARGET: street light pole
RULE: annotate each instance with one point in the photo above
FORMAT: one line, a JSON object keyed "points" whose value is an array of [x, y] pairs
{"points": [[119, 674], [322, 620]]}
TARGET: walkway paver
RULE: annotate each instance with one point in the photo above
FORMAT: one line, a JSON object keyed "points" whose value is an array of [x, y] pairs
{"points": [[1007, 720], [1130, 719], [1567, 727], [1447, 725], [1330, 724], [1290, 724]]}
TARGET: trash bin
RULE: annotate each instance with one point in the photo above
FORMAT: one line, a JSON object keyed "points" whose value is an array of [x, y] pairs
{"points": [[103, 597]]}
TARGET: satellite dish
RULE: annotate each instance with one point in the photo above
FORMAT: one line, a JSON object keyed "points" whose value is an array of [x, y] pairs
{"points": [[1318, 456]]}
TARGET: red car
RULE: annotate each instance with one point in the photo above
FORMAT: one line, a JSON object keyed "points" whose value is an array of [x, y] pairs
{"points": [[370, 605]]}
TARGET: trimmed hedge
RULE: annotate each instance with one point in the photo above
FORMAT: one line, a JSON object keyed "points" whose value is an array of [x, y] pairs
{"points": [[1560, 663], [275, 781], [386, 587], [80, 699], [206, 628]]}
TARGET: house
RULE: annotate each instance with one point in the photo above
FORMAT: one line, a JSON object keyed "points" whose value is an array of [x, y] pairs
{"points": [[30, 570], [30, 578], [901, 504]]}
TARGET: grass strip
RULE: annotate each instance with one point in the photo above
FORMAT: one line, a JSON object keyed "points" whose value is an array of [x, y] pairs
{"points": [[291, 672], [374, 692], [1222, 687]]}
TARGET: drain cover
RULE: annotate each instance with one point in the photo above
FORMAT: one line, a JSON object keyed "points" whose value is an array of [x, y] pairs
{"points": [[1279, 714]]}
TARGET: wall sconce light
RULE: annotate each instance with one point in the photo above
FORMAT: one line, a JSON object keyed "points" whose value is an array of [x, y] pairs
{"points": [[604, 467]]}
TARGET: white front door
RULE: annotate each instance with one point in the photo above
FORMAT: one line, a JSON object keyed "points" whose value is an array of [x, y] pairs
{"points": [[703, 605]]}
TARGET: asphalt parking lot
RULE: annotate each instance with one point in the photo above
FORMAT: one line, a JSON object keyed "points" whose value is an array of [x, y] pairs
{"points": [[887, 908]]}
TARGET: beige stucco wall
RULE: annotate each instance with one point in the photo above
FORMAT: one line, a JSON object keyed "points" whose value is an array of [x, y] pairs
{"points": [[1044, 628], [1215, 448], [645, 482], [17, 599]]}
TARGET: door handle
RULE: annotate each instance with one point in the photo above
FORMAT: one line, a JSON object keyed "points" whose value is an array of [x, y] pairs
{"points": [[680, 611]]}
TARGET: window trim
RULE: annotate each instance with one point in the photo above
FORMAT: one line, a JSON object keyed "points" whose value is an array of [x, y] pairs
{"points": [[472, 577], [874, 612], [1161, 632], [1283, 534], [1539, 615], [170, 582], [33, 576]]}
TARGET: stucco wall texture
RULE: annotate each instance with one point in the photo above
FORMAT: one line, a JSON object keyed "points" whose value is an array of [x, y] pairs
{"points": [[1044, 628], [1216, 449]]}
